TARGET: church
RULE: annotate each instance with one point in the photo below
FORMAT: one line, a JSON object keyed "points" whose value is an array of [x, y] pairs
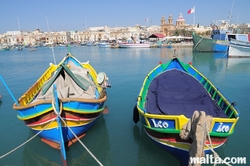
{"points": [[168, 28]]}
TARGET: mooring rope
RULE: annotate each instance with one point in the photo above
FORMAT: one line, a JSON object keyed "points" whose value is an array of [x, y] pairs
{"points": [[25, 141], [198, 43], [211, 148], [81, 142]]}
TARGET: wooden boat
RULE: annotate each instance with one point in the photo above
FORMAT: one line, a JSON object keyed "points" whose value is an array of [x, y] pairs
{"points": [[170, 95], [64, 103]]}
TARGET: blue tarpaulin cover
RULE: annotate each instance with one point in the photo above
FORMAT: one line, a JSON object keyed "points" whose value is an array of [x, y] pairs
{"points": [[175, 92]]}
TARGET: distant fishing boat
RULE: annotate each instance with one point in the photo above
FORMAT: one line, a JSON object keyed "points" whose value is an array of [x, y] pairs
{"points": [[104, 45], [134, 45], [5, 47], [222, 41], [32, 48], [64, 103], [183, 112]]}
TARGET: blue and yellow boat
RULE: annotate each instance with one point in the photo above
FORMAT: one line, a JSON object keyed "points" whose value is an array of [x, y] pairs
{"points": [[170, 95], [64, 102]]}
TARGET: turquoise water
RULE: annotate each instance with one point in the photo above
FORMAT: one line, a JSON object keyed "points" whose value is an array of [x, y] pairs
{"points": [[115, 140]]}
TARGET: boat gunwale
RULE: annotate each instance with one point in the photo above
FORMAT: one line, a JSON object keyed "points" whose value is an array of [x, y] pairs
{"points": [[20, 107]]}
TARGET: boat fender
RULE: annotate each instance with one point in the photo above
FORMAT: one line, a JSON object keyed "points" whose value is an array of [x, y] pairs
{"points": [[101, 77], [135, 114], [103, 80]]}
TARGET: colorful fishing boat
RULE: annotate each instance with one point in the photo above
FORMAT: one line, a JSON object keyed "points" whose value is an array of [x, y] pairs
{"points": [[64, 103], [171, 95]]}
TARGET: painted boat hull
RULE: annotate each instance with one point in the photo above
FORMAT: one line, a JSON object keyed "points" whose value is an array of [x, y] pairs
{"points": [[204, 44], [179, 148], [104, 45], [62, 119], [163, 119], [79, 121], [237, 50], [52, 133]]}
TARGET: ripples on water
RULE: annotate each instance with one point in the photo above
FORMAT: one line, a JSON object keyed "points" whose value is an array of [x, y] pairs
{"points": [[115, 139]]}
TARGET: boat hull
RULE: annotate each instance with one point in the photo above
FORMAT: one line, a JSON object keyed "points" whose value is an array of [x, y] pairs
{"points": [[239, 51], [104, 45], [179, 148], [64, 103], [77, 127], [204, 44], [134, 45], [171, 96], [78, 116]]}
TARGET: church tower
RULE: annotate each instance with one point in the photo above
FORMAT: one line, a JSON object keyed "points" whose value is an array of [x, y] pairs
{"points": [[167, 27], [170, 20], [163, 20]]}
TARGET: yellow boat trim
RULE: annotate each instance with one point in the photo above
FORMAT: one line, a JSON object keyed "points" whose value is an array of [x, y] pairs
{"points": [[82, 111], [180, 120]]}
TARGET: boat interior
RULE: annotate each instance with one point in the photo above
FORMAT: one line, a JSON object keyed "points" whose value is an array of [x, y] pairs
{"points": [[175, 92]]}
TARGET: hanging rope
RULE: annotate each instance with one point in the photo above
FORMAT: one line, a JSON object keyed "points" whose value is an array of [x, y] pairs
{"points": [[81, 142], [25, 141], [211, 148], [197, 43]]}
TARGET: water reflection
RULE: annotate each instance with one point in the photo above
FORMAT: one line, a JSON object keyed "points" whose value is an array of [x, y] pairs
{"points": [[238, 64]]}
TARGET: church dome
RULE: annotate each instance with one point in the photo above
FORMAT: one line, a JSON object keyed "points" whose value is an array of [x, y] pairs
{"points": [[180, 18]]}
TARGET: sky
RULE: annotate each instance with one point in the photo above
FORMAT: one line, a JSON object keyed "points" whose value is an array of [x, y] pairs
{"points": [[67, 15]]}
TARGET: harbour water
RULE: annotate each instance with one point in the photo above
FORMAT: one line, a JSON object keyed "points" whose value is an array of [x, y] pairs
{"points": [[115, 140]]}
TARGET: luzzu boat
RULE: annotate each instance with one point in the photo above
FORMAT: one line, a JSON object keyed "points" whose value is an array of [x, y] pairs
{"points": [[64, 102], [170, 95]]}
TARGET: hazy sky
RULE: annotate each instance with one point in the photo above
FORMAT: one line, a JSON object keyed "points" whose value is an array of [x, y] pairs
{"points": [[77, 14]]}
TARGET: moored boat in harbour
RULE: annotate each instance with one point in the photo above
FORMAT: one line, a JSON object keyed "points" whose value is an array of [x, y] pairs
{"points": [[240, 49], [175, 96], [104, 45], [207, 44], [134, 45], [64, 103]]}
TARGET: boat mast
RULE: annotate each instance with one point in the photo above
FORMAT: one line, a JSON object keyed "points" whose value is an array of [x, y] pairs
{"points": [[52, 40], [18, 24], [230, 13]]}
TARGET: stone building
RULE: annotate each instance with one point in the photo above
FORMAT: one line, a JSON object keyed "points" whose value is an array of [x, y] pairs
{"points": [[168, 28]]}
